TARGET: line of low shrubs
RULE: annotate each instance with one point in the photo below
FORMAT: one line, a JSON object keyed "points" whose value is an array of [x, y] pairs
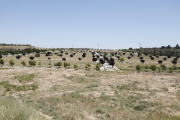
{"points": [[162, 67], [10, 87]]}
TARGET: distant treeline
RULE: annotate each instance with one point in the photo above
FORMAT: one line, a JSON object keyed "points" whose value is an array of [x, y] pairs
{"points": [[24, 51], [4, 44], [161, 51]]}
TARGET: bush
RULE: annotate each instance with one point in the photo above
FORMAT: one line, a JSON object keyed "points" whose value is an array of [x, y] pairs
{"points": [[98, 65], [58, 64], [138, 68], [163, 67], [1, 61], [159, 68], [146, 67], [23, 63], [11, 62], [175, 67], [75, 66], [67, 64], [122, 59], [153, 67], [171, 68], [39, 63], [37, 55], [179, 68], [89, 65], [32, 62]]}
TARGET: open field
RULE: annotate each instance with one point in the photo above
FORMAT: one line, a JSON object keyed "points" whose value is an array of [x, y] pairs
{"points": [[88, 94], [64, 94]]}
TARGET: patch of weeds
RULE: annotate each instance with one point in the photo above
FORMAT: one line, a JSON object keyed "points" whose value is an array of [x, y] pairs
{"points": [[81, 79], [99, 111], [91, 75], [173, 85], [4, 68], [70, 77], [10, 87], [141, 105], [165, 89], [92, 86], [115, 92], [131, 86], [27, 77]]}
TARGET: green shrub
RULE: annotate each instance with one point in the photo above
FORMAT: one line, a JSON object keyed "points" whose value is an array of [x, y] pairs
{"points": [[163, 67], [66, 64], [32, 62], [153, 67], [159, 68], [75, 67], [58, 64], [89, 65], [171, 68], [27, 77], [37, 55], [11, 62], [39, 63], [1, 61], [23, 63], [175, 67], [98, 65], [138, 68], [146, 67], [122, 59]]}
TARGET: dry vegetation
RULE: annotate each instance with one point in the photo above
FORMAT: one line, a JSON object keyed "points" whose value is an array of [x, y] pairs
{"points": [[65, 94], [88, 94]]}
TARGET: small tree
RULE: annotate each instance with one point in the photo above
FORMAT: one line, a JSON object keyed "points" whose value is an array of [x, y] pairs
{"points": [[171, 68], [153, 67], [58, 64], [163, 67], [89, 65], [0, 56], [11, 62], [98, 65], [121, 59], [66, 64], [37, 55], [1, 62], [32, 62], [138, 68], [23, 63], [159, 68], [75, 67]]}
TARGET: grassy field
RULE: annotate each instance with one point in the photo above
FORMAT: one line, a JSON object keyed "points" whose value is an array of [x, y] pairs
{"points": [[89, 95]]}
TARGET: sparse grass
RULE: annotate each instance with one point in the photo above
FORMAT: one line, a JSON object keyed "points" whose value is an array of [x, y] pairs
{"points": [[10, 109], [10, 87], [27, 77], [124, 94]]}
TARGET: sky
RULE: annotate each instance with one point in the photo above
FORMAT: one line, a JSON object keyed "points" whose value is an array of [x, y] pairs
{"points": [[109, 24]]}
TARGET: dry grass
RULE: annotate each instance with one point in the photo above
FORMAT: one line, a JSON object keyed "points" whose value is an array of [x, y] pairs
{"points": [[94, 95]]}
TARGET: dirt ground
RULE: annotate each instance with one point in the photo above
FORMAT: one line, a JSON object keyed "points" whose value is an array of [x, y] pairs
{"points": [[94, 95]]}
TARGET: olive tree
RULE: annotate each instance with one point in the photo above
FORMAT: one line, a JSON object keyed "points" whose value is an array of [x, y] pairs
{"points": [[23, 63], [1, 61], [11, 62]]}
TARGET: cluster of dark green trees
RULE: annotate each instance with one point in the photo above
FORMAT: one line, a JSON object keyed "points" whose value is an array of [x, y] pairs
{"points": [[162, 51], [24, 51], [4, 44]]}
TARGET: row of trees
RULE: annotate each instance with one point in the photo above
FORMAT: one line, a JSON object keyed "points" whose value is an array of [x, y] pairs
{"points": [[24, 51], [4, 44], [159, 68]]}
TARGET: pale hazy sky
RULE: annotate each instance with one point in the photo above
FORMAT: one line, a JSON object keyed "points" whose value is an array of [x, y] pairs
{"points": [[114, 24]]}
